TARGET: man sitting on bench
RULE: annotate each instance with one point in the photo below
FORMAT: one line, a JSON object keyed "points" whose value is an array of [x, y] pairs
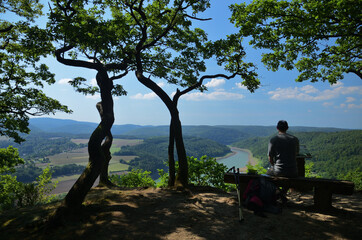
{"points": [[282, 151]]}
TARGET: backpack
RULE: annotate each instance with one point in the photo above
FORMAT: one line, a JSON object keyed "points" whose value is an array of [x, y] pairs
{"points": [[261, 196]]}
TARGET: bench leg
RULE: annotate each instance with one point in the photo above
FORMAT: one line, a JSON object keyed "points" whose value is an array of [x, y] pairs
{"points": [[322, 198]]}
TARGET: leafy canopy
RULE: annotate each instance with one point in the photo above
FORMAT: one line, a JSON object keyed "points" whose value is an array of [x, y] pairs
{"points": [[21, 74], [320, 38]]}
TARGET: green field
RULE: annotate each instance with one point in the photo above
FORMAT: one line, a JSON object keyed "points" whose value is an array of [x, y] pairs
{"points": [[80, 157]]}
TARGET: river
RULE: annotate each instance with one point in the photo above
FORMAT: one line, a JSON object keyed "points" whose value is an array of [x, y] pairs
{"points": [[239, 158]]}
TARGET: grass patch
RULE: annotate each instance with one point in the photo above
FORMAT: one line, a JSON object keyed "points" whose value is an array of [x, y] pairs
{"points": [[115, 149], [79, 141], [117, 167], [65, 178]]}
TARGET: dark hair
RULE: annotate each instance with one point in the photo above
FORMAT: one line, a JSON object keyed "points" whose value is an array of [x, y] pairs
{"points": [[282, 126]]}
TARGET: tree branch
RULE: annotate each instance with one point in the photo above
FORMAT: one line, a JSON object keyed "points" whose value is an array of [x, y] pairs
{"points": [[196, 18], [198, 84], [358, 72], [119, 76], [74, 63], [6, 29]]}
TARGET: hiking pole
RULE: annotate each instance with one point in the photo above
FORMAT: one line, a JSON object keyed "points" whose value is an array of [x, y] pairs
{"points": [[237, 182]]}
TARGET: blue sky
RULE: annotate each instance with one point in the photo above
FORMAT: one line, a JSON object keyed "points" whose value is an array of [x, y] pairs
{"points": [[225, 102]]}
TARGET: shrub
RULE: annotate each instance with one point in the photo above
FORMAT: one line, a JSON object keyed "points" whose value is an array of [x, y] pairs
{"points": [[135, 178], [354, 176], [257, 169], [18, 194], [206, 171]]}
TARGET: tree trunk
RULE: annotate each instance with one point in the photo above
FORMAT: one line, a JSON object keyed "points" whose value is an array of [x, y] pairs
{"points": [[77, 193], [103, 178], [97, 157], [106, 146], [182, 174], [171, 158]]}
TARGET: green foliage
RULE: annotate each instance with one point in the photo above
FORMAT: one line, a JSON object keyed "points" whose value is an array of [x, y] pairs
{"points": [[18, 194], [163, 180], [9, 158], [354, 176], [153, 152], [257, 169], [37, 146], [38, 192], [134, 178], [309, 170], [320, 38], [44, 185], [27, 173], [9, 188], [206, 171], [67, 169], [21, 74]]}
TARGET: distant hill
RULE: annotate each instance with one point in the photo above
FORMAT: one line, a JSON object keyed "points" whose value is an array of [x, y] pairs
{"points": [[223, 134], [52, 125]]}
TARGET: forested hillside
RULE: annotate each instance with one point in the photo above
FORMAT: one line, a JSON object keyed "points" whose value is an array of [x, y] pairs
{"points": [[332, 153], [39, 146], [224, 134], [152, 153]]}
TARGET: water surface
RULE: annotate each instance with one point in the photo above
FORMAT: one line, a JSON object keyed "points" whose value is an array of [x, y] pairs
{"points": [[239, 159]]}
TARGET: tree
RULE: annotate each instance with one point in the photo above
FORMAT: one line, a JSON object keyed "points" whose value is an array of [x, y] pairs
{"points": [[320, 38], [21, 74], [167, 47], [229, 52], [91, 42]]}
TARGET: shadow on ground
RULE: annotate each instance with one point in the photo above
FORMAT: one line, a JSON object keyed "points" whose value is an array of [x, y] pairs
{"points": [[201, 213]]}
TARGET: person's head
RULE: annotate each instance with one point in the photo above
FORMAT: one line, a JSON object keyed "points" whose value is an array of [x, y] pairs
{"points": [[282, 126]]}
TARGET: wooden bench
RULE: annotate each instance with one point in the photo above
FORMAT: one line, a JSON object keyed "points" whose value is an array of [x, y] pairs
{"points": [[323, 188]]}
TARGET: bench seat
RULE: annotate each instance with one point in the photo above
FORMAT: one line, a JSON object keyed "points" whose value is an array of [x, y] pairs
{"points": [[323, 188]]}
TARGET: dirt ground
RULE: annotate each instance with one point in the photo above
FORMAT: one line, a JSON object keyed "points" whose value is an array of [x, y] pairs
{"points": [[199, 213]]}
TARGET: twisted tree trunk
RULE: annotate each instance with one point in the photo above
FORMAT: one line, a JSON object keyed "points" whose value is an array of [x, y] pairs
{"points": [[97, 156], [106, 146]]}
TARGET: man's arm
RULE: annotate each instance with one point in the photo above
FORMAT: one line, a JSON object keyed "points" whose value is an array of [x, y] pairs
{"points": [[296, 146], [270, 156], [271, 160]]}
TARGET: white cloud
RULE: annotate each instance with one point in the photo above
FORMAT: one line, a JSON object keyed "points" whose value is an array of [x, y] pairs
{"points": [[309, 89], [64, 81], [327, 104], [310, 93], [350, 99], [241, 86], [217, 95], [352, 105], [147, 96], [215, 82]]}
